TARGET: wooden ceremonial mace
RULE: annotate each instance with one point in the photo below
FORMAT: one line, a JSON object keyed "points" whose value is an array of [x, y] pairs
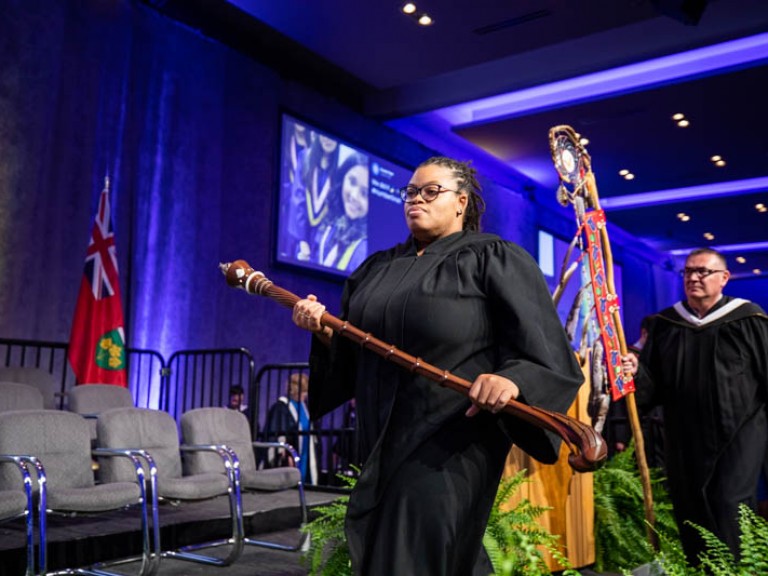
{"points": [[588, 449]]}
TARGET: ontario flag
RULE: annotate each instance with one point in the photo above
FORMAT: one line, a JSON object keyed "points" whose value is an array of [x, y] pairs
{"points": [[97, 342]]}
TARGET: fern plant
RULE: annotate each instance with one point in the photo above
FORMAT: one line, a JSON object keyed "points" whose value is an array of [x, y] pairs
{"points": [[717, 559], [514, 539], [328, 553], [511, 538], [620, 528]]}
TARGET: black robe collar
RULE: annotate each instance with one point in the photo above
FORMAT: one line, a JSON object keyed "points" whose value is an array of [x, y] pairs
{"points": [[448, 243]]}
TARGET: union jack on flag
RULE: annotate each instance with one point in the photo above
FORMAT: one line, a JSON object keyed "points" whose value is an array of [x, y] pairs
{"points": [[101, 256]]}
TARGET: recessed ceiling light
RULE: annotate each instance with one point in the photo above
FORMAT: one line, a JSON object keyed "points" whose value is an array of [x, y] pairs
{"points": [[623, 172], [716, 158], [629, 176], [761, 207], [678, 116], [756, 271], [683, 216], [709, 236], [683, 123], [741, 259], [425, 20], [409, 8], [720, 163]]}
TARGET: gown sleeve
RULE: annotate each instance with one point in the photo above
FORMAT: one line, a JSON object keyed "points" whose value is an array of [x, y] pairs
{"points": [[534, 351], [332, 370]]}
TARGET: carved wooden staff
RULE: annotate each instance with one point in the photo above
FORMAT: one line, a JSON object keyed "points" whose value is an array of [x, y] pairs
{"points": [[574, 165], [588, 450]]}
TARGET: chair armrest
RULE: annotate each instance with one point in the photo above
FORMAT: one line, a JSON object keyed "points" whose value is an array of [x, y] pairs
{"points": [[284, 445], [228, 456], [136, 456], [22, 462]]}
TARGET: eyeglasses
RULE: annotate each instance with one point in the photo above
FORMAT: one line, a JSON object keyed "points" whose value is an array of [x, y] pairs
{"points": [[428, 192], [700, 272]]}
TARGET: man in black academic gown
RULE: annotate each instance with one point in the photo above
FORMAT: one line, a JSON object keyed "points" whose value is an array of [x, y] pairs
{"points": [[706, 363]]}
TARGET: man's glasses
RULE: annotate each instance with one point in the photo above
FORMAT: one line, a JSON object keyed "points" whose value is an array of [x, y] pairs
{"points": [[700, 272], [428, 192]]}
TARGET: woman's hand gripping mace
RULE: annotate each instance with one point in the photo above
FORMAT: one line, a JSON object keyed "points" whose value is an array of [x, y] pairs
{"points": [[588, 449]]}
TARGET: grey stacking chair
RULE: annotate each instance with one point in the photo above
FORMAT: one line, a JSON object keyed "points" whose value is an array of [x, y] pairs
{"points": [[61, 441], [16, 499], [224, 427], [15, 396], [89, 400], [156, 432], [19, 502], [48, 384]]}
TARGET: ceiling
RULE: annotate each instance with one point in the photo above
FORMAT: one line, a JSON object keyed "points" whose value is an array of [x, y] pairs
{"points": [[490, 77]]}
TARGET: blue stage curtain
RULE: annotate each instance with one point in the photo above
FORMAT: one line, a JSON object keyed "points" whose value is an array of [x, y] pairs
{"points": [[186, 129]]}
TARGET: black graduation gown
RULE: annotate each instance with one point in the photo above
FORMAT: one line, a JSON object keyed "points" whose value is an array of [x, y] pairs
{"points": [[283, 426], [471, 304], [711, 377]]}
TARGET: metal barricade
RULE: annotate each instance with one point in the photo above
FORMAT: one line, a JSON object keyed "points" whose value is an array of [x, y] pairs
{"points": [[146, 370], [48, 356], [203, 378], [145, 367]]}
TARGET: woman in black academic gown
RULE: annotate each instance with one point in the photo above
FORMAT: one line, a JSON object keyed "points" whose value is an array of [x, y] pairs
{"points": [[467, 302]]}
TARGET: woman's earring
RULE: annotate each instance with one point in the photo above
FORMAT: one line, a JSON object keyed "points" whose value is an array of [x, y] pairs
{"points": [[459, 212]]}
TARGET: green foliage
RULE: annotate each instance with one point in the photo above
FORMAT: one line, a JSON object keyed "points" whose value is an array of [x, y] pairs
{"points": [[620, 530], [328, 553], [621, 540], [513, 537], [717, 559]]}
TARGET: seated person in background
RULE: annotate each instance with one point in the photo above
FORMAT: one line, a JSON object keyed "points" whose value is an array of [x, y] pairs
{"points": [[237, 399], [288, 421]]}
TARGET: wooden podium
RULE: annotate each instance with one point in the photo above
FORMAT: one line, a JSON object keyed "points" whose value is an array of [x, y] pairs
{"points": [[569, 494]]}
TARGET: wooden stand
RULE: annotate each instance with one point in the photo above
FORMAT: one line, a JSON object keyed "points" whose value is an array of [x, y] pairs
{"points": [[569, 495]]}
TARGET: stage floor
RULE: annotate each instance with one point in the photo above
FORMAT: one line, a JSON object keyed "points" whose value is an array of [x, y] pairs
{"points": [[80, 541], [76, 542]]}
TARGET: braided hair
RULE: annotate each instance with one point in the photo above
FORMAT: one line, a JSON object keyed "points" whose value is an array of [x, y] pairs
{"points": [[466, 176]]}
